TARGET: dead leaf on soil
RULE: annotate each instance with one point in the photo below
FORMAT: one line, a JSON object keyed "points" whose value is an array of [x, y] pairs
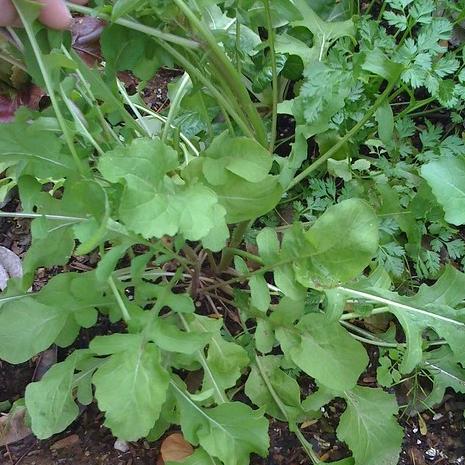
{"points": [[174, 449], [64, 443], [10, 266], [13, 428]]}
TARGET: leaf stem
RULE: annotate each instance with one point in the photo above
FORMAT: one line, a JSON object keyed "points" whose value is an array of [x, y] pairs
{"points": [[305, 444], [379, 101], [40, 215], [183, 87], [163, 119], [50, 87], [12, 61], [195, 73], [247, 255], [236, 239], [204, 363], [225, 68], [271, 41], [136, 26], [119, 299]]}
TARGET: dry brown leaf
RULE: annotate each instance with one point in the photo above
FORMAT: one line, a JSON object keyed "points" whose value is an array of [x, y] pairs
{"points": [[175, 449], [69, 441], [13, 428], [10, 266]]}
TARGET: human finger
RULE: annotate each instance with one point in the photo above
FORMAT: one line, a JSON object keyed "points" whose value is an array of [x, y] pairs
{"points": [[55, 14], [8, 13]]}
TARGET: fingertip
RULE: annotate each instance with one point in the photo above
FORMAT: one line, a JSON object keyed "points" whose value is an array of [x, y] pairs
{"points": [[55, 14], [8, 14]]}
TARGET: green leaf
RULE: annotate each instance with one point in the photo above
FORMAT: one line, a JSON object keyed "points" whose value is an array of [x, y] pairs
{"points": [[431, 307], [123, 7], [51, 414], [38, 151], [242, 156], [322, 95], [264, 338], [244, 200], [385, 119], [153, 204], [114, 343], [446, 177], [444, 373], [270, 377], [285, 279], [324, 350], [199, 457], [287, 312], [230, 431], [122, 48], [226, 361], [339, 245], [108, 262], [369, 427], [268, 245], [165, 333], [325, 33], [132, 409], [377, 63], [28, 327], [260, 294]]}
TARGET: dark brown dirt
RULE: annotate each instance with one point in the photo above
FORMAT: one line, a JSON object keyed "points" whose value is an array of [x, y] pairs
{"points": [[155, 93]]}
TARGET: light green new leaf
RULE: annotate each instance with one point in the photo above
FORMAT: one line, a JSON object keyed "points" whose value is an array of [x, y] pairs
{"points": [[130, 387], [339, 245], [153, 204], [369, 427], [230, 431], [446, 177], [50, 402], [268, 376], [324, 350], [28, 327]]}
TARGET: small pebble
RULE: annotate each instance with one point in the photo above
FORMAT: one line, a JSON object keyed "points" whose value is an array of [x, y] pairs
{"points": [[437, 416], [121, 445], [431, 452]]}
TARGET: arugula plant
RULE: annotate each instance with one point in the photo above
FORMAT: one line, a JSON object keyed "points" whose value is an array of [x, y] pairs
{"points": [[169, 200]]}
